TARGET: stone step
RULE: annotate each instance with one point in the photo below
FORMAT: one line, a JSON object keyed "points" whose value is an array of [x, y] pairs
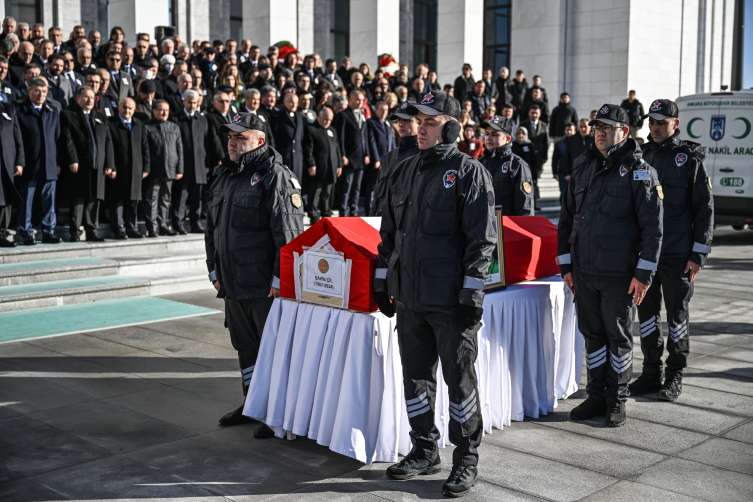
{"points": [[162, 246], [92, 289], [33, 272]]}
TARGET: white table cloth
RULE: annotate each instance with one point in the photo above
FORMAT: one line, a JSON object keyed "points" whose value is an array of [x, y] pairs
{"points": [[336, 377]]}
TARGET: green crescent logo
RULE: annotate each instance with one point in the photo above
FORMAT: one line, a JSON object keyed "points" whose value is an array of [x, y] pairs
{"points": [[747, 128], [690, 126]]}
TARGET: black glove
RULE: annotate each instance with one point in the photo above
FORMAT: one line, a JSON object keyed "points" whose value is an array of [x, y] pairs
{"points": [[385, 305], [468, 317]]}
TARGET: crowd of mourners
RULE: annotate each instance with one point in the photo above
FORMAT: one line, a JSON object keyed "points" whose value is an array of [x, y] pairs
{"points": [[135, 127]]}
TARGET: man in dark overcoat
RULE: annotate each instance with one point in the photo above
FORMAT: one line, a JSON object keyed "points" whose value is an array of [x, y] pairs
{"points": [[86, 156], [123, 189], [12, 158]]}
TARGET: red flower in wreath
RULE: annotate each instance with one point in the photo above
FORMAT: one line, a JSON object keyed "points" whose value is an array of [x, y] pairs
{"points": [[389, 64], [285, 48]]}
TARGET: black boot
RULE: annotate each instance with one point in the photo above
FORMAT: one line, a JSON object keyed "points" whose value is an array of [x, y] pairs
{"points": [[645, 384], [411, 466], [671, 389], [461, 480], [616, 415], [591, 407], [235, 417], [264, 432]]}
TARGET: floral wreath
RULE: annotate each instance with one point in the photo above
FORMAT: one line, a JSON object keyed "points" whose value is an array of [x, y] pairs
{"points": [[285, 48], [388, 64]]}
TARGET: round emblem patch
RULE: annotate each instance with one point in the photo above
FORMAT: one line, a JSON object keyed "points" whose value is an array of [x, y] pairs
{"points": [[681, 159], [623, 170], [604, 110], [656, 105], [660, 192], [255, 179], [323, 266], [506, 167], [296, 200], [450, 177], [526, 187]]}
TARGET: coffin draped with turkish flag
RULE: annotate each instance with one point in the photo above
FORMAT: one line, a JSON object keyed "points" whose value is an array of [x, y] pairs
{"points": [[530, 248]]}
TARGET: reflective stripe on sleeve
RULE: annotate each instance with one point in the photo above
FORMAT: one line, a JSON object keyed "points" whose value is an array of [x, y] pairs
{"points": [[563, 259], [700, 248], [472, 283], [276, 282], [380, 273], [213, 275], [646, 265]]}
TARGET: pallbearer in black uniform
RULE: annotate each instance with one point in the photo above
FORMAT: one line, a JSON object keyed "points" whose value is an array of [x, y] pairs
{"points": [[255, 209], [12, 158], [511, 175], [608, 240], [688, 229], [407, 127], [437, 243]]}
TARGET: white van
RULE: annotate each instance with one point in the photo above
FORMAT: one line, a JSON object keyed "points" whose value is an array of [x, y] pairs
{"points": [[721, 122]]}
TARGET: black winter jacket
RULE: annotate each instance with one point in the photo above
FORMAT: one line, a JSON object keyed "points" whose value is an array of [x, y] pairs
{"points": [[408, 148], [255, 208], [512, 180], [688, 203], [437, 231], [611, 219]]}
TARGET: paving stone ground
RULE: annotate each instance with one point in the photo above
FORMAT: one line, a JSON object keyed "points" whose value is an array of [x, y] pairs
{"points": [[131, 414]]}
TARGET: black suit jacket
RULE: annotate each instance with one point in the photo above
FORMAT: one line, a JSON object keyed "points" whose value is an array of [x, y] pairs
{"points": [[354, 141], [131, 152], [265, 114], [76, 147], [288, 133], [12, 151], [201, 146], [216, 119], [381, 138], [321, 149]]}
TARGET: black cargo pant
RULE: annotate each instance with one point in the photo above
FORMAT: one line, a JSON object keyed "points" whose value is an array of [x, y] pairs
{"points": [[671, 280], [605, 318], [245, 319], [424, 339]]}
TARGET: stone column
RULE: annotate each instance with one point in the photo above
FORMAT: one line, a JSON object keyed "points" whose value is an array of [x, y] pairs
{"points": [[322, 22], [374, 30], [305, 27], [267, 22], [460, 38], [406, 33]]}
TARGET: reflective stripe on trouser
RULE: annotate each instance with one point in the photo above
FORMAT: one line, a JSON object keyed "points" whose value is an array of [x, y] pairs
{"points": [[426, 338], [245, 319], [671, 282], [605, 317]]}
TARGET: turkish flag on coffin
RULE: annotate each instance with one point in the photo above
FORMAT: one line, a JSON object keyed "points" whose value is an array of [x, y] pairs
{"points": [[530, 248], [357, 238], [530, 251]]}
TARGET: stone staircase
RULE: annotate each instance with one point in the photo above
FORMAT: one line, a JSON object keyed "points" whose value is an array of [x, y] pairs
{"points": [[49, 275], [549, 192]]}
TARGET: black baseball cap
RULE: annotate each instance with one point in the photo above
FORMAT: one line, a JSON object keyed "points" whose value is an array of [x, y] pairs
{"points": [[498, 123], [401, 113], [610, 115], [209, 50], [662, 109], [243, 122], [436, 103], [263, 66]]}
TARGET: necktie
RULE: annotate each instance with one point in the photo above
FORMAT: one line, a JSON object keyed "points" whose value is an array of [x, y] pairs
{"points": [[128, 125], [73, 82], [116, 76]]}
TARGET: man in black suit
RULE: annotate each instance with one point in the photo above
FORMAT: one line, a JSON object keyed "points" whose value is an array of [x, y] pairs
{"points": [[145, 100], [31, 71], [464, 83], [219, 113], [59, 88], [200, 146], [6, 88], [490, 90], [170, 83], [18, 61], [84, 61], [330, 76], [252, 104], [175, 100], [287, 128], [353, 134], [323, 161], [86, 155], [69, 71], [123, 189], [13, 159], [537, 133], [121, 83], [40, 128], [381, 141]]}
